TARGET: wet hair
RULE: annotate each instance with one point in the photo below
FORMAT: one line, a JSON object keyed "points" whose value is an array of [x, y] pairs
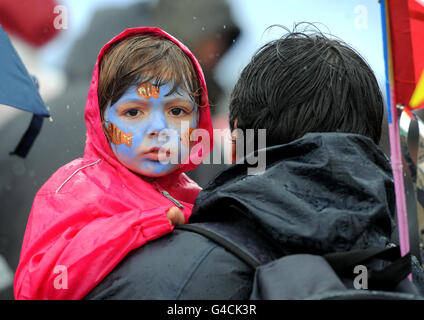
{"points": [[306, 82], [143, 58]]}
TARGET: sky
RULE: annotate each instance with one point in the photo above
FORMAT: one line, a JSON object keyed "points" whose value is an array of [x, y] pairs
{"points": [[357, 22]]}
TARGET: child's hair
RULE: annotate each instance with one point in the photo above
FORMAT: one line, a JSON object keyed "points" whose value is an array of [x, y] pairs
{"points": [[306, 82], [145, 58]]}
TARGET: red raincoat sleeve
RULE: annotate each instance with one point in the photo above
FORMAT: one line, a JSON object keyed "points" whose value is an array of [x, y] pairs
{"points": [[66, 253]]}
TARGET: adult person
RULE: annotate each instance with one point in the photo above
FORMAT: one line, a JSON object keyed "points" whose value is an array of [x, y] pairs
{"points": [[327, 186]]}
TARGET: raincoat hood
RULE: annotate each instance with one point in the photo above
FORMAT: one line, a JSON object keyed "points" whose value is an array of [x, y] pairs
{"points": [[322, 193], [97, 144]]}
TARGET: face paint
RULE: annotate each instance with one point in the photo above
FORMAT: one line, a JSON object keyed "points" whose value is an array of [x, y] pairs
{"points": [[147, 90], [149, 131], [116, 136], [185, 137]]}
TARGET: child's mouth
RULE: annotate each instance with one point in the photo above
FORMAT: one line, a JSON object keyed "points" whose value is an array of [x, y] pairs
{"points": [[154, 153]]}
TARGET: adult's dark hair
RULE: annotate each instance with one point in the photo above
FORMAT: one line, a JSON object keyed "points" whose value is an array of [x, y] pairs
{"points": [[306, 82]]}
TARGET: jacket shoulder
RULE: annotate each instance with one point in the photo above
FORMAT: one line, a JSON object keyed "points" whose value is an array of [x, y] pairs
{"points": [[187, 189], [65, 178]]}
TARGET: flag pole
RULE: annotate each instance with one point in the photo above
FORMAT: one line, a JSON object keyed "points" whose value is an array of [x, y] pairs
{"points": [[395, 149]]}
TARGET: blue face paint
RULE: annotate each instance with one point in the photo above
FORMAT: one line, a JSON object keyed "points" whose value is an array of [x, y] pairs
{"points": [[145, 128]]}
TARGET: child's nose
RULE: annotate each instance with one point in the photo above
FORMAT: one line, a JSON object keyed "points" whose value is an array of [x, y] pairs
{"points": [[157, 124]]}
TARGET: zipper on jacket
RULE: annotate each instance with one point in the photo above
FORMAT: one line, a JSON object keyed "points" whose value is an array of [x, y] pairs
{"points": [[177, 203], [167, 195]]}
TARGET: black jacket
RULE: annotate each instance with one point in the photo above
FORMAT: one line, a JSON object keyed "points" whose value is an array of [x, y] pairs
{"points": [[325, 192]]}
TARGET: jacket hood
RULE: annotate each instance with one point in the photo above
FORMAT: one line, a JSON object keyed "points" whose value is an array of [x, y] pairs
{"points": [[322, 193], [97, 145]]}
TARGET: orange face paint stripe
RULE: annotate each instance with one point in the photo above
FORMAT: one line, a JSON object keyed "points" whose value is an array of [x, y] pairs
{"points": [[147, 90], [116, 136], [185, 137]]}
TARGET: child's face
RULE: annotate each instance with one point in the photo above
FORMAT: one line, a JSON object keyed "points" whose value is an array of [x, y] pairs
{"points": [[148, 131]]}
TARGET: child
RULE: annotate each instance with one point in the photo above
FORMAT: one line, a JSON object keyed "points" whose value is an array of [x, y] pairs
{"points": [[129, 188]]}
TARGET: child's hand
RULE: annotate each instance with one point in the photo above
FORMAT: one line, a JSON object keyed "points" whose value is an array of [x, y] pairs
{"points": [[175, 216]]}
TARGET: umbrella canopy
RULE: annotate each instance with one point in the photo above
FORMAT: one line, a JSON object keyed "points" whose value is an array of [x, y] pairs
{"points": [[18, 89]]}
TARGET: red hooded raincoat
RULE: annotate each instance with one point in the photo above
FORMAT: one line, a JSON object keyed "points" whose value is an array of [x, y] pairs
{"points": [[93, 211]]}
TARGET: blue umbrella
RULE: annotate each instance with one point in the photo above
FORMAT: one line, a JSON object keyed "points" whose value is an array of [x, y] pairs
{"points": [[20, 90]]}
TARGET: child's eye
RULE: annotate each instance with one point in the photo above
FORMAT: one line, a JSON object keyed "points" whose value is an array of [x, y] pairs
{"points": [[133, 113], [178, 112]]}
